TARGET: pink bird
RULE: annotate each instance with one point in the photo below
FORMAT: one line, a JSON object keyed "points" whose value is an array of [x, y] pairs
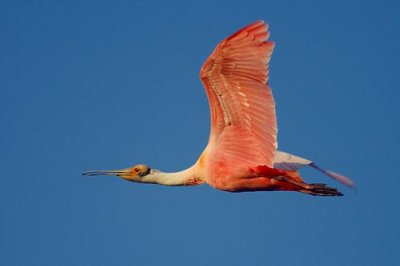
{"points": [[241, 154]]}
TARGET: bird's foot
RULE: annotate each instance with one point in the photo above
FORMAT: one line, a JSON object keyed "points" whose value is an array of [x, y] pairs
{"points": [[321, 190]]}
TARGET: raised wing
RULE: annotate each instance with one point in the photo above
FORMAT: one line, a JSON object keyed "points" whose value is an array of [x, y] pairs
{"points": [[243, 120]]}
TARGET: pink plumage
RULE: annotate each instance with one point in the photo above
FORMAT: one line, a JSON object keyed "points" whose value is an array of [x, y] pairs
{"points": [[241, 154]]}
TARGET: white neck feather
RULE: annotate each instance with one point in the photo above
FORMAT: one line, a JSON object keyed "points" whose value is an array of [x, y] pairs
{"points": [[181, 178]]}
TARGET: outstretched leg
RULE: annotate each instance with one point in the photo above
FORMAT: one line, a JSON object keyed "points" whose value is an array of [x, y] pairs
{"points": [[315, 189], [282, 183], [276, 179]]}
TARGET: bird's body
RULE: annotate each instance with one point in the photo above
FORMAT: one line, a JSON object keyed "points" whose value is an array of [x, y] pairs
{"points": [[241, 154]]}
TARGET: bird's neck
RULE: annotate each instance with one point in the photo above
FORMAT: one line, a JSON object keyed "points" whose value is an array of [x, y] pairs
{"points": [[182, 178]]}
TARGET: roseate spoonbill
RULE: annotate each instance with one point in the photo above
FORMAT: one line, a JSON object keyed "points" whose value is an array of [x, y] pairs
{"points": [[241, 154]]}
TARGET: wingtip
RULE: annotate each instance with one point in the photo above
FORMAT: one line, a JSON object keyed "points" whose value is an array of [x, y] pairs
{"points": [[338, 177], [257, 28], [258, 22], [257, 25]]}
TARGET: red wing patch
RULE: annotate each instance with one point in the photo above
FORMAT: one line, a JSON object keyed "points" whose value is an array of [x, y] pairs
{"points": [[265, 171]]}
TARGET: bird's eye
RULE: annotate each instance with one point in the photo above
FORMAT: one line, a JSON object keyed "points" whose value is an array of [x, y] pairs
{"points": [[140, 170]]}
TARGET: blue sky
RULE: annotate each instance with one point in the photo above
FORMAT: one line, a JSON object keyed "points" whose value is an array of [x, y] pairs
{"points": [[110, 84]]}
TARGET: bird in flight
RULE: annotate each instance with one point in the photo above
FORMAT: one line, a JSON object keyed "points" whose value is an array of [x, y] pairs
{"points": [[241, 154]]}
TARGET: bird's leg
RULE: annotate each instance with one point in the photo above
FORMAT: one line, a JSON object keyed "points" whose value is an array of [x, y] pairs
{"points": [[291, 180], [312, 189], [281, 183]]}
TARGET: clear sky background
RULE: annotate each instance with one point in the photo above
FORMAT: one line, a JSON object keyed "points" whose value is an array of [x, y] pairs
{"points": [[107, 84]]}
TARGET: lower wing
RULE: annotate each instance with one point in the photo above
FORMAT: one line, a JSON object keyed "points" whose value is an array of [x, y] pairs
{"points": [[287, 161]]}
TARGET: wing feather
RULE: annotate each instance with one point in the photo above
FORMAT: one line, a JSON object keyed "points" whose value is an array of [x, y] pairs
{"points": [[243, 120]]}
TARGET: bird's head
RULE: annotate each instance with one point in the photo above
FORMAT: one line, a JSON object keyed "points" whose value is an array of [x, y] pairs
{"points": [[134, 173]]}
